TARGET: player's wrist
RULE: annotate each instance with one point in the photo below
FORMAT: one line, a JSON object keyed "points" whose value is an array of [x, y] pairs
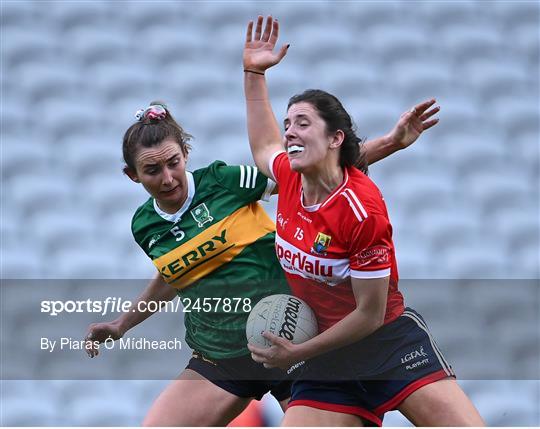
{"points": [[121, 325], [391, 142], [253, 70]]}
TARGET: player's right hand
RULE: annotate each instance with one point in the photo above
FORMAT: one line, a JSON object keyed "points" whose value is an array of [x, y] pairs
{"points": [[259, 52], [99, 333]]}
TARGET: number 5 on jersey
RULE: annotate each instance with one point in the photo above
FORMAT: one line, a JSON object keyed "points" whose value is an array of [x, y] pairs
{"points": [[178, 233]]}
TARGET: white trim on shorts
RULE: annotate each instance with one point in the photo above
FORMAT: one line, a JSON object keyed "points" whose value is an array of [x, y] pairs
{"points": [[445, 365]]}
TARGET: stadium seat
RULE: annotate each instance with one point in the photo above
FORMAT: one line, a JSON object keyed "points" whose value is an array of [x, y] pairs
{"points": [[461, 148], [88, 410], [412, 256], [20, 414], [21, 46], [43, 80], [491, 189], [419, 80], [398, 42], [467, 257], [65, 117], [101, 45], [20, 156], [361, 16], [29, 192], [332, 44], [524, 38], [491, 78], [464, 41], [67, 16], [193, 82], [114, 79], [88, 157], [512, 16], [106, 194], [139, 16], [54, 229], [518, 114], [437, 15]]}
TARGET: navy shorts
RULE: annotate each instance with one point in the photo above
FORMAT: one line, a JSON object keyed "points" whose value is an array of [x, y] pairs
{"points": [[374, 375], [242, 376]]}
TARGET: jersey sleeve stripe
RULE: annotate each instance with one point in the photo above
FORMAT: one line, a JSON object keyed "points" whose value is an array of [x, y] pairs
{"points": [[355, 211], [242, 176], [254, 178], [271, 164], [355, 198], [270, 185], [248, 177], [378, 274]]}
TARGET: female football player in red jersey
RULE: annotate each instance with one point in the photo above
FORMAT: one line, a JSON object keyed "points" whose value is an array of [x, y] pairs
{"points": [[220, 379], [372, 354]]}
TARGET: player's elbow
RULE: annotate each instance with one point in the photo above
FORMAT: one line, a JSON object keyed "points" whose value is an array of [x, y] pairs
{"points": [[375, 319]]}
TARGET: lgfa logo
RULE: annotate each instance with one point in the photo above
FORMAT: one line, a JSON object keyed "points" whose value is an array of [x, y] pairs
{"points": [[413, 355]]}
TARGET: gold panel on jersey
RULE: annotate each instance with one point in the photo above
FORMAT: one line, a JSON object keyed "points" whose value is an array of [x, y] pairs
{"points": [[215, 246]]}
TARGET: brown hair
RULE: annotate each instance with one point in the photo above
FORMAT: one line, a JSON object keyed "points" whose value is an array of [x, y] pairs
{"points": [[148, 132]]}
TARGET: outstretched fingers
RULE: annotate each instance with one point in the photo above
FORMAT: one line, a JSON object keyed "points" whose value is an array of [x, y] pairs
{"points": [[429, 113], [267, 29], [428, 124], [275, 32], [420, 108], [249, 31], [258, 28]]}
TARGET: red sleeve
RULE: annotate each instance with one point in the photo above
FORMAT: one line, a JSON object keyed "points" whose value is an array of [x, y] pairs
{"points": [[371, 250], [279, 166]]}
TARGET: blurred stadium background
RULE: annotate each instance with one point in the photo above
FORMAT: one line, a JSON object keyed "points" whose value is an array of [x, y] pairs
{"points": [[463, 201]]}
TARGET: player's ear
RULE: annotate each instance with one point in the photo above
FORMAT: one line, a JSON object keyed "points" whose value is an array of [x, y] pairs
{"points": [[131, 174], [337, 139]]}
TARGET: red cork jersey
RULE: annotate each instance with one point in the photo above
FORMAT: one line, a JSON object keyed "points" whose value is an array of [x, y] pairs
{"points": [[321, 247]]}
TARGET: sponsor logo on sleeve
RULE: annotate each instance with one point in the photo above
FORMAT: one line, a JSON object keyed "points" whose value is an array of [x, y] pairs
{"points": [[373, 255]]}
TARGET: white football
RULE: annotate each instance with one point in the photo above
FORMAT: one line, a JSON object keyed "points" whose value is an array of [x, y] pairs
{"points": [[283, 315]]}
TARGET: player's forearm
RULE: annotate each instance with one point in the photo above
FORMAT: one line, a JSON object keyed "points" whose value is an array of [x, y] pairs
{"points": [[263, 129], [157, 291], [379, 148], [352, 328]]}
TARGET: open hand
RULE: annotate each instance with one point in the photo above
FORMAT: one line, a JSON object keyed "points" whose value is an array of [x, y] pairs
{"points": [[99, 333], [259, 52], [413, 122]]}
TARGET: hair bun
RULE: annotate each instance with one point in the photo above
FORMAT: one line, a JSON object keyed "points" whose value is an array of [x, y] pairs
{"points": [[156, 112]]}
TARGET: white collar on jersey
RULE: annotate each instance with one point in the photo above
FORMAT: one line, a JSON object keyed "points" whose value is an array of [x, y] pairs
{"points": [[175, 217]]}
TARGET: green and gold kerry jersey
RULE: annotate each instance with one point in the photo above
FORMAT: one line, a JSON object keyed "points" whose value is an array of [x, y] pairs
{"points": [[219, 246]]}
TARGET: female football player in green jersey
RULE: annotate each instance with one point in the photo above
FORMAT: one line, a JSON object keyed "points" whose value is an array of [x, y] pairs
{"points": [[213, 245]]}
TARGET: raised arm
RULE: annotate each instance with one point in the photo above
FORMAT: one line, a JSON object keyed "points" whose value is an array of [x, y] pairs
{"points": [[408, 128], [263, 129]]}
